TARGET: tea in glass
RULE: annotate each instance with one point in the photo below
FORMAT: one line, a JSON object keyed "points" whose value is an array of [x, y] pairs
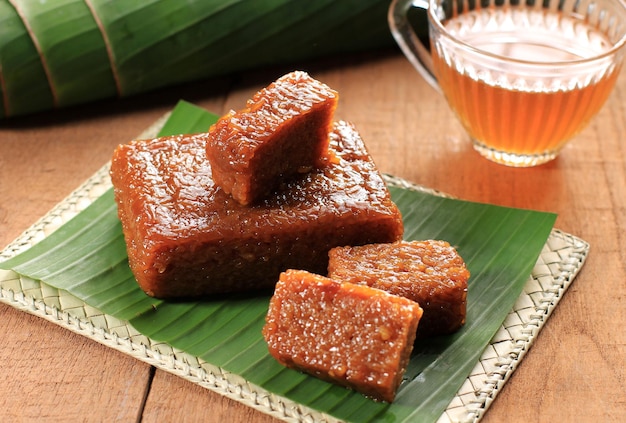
{"points": [[524, 78]]}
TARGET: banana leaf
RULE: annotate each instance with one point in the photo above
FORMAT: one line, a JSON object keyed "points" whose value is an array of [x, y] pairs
{"points": [[67, 52], [23, 80], [87, 257]]}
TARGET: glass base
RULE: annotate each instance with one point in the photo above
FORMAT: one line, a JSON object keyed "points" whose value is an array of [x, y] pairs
{"points": [[514, 159]]}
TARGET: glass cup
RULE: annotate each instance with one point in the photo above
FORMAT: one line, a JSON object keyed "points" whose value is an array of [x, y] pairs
{"points": [[522, 76]]}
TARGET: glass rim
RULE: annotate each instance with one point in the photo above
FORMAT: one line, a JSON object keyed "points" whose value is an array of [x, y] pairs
{"points": [[432, 17]]}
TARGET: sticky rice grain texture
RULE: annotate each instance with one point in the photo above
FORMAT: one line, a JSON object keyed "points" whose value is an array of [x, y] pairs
{"points": [[283, 131], [186, 237], [352, 335], [429, 272]]}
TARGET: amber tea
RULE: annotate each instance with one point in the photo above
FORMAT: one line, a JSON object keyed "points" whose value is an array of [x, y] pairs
{"points": [[514, 119], [524, 79]]}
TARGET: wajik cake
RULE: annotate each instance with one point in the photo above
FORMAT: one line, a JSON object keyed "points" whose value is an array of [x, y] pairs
{"points": [[186, 237], [429, 272], [281, 132], [353, 335]]}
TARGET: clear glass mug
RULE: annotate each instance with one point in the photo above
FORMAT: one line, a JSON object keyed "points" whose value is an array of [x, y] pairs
{"points": [[522, 76]]}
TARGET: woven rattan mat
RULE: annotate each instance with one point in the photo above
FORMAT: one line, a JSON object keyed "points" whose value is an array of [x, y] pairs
{"points": [[562, 257]]}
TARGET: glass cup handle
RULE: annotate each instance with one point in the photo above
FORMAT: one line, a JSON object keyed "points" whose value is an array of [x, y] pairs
{"points": [[407, 39]]}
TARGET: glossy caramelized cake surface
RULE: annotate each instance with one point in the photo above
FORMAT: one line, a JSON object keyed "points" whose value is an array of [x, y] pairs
{"points": [[353, 335], [186, 237], [430, 272], [282, 131]]}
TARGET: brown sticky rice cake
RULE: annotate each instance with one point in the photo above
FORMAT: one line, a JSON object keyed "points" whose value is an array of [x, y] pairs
{"points": [[430, 272], [186, 237], [349, 334], [282, 131]]}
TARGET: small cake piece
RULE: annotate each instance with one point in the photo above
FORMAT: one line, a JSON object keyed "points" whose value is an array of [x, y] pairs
{"points": [[185, 237], [353, 335], [282, 131], [429, 272]]}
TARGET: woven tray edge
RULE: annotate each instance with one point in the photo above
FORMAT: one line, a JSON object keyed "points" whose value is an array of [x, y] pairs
{"points": [[232, 386]]}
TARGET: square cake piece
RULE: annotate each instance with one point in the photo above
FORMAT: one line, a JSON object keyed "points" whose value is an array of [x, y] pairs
{"points": [[186, 237], [282, 131], [349, 334], [429, 272]]}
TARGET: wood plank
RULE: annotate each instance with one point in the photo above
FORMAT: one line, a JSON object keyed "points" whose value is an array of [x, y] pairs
{"points": [[50, 374]]}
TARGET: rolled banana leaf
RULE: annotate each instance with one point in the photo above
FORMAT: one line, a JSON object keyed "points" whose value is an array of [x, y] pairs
{"points": [[67, 52]]}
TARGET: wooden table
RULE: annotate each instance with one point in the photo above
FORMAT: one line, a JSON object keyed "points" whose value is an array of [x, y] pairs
{"points": [[576, 370]]}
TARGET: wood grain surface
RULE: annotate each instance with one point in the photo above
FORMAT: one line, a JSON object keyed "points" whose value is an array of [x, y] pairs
{"points": [[575, 372]]}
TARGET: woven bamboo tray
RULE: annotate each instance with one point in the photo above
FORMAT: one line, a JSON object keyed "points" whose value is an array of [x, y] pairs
{"points": [[558, 264]]}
